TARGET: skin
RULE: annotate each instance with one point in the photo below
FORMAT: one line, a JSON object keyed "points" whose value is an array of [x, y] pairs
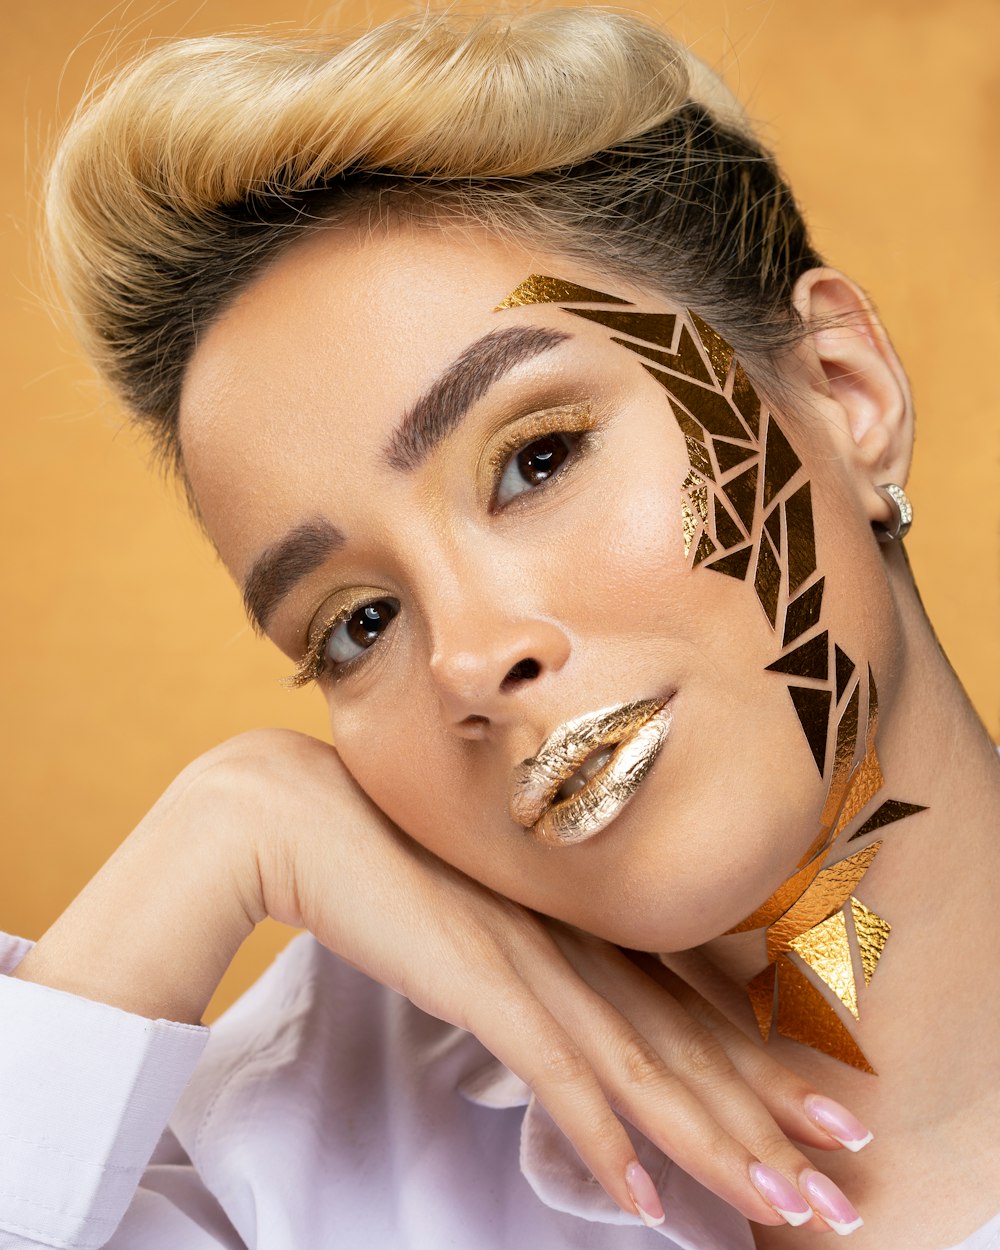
{"points": [[287, 403]]}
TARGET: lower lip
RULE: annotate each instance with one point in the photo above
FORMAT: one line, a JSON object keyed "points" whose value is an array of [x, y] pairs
{"points": [[597, 804]]}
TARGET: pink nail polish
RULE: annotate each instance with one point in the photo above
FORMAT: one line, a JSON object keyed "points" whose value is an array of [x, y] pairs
{"points": [[838, 1121], [644, 1195], [779, 1191], [829, 1203]]}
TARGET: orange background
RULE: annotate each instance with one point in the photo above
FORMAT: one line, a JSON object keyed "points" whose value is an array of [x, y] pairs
{"points": [[125, 653]]}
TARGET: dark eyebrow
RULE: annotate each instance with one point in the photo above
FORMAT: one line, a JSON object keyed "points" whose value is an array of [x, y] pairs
{"points": [[273, 574], [465, 381], [434, 415]]}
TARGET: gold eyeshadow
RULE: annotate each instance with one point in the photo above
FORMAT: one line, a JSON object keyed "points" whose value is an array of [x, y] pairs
{"points": [[311, 666]]}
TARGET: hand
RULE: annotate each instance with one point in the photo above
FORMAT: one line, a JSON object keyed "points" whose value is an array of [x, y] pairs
{"points": [[591, 1030]]}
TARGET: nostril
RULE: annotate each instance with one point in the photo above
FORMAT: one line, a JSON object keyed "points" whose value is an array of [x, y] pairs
{"points": [[523, 670]]}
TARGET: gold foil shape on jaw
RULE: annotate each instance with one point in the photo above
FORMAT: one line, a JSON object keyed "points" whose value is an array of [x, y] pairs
{"points": [[538, 288], [829, 892], [825, 948], [805, 1016], [655, 328], [813, 710], [803, 613], [767, 579], [810, 659], [788, 893], [780, 462], [891, 810], [873, 933], [761, 994], [719, 352], [865, 784], [872, 713], [800, 537]]}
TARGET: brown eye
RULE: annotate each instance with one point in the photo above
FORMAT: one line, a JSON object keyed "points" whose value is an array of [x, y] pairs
{"points": [[533, 464], [363, 627]]}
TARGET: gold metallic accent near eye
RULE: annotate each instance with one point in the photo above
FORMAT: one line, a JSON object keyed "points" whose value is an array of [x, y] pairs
{"points": [[825, 948], [805, 1016], [872, 932], [653, 327], [686, 360], [830, 891], [538, 288]]}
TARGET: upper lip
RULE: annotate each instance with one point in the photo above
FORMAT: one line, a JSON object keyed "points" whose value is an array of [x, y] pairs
{"points": [[537, 779]]}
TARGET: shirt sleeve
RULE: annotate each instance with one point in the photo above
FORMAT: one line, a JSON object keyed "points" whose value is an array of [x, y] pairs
{"points": [[86, 1090]]}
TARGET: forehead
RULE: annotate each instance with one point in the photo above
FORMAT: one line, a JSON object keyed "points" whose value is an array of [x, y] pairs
{"points": [[322, 353]]}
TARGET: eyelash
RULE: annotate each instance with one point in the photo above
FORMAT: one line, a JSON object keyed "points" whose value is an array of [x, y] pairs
{"points": [[312, 667]]}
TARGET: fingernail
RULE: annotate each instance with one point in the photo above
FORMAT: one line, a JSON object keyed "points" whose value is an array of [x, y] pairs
{"points": [[830, 1203], [779, 1191], [837, 1121], [644, 1195]]}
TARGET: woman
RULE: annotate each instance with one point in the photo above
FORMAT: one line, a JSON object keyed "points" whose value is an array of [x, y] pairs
{"points": [[502, 375]]}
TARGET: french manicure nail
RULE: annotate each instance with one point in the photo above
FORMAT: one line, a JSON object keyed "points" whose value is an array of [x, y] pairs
{"points": [[838, 1121], [829, 1203], [781, 1194], [644, 1195]]}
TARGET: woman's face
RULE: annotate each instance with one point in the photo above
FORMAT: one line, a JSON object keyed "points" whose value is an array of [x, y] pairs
{"points": [[537, 528]]}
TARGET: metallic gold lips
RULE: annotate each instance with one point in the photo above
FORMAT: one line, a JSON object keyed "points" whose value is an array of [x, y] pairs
{"points": [[639, 729]]}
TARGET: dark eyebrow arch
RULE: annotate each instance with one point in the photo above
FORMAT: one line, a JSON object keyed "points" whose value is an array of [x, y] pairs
{"points": [[465, 381], [294, 556], [435, 414]]}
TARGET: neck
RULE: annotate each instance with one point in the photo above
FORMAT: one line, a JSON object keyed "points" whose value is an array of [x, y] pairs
{"points": [[930, 1008]]}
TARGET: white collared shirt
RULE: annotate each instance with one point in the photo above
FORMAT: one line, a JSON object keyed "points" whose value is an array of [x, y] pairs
{"points": [[321, 1111]]}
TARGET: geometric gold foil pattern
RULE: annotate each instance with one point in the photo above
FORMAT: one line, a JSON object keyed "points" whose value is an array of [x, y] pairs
{"points": [[746, 512], [873, 933], [826, 950]]}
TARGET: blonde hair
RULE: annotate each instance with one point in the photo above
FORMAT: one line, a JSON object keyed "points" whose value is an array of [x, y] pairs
{"points": [[585, 127]]}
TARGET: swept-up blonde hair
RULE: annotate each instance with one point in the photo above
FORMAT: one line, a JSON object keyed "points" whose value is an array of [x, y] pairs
{"points": [[586, 128]]}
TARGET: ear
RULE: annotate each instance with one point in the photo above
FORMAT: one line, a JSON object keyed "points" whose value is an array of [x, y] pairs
{"points": [[865, 389]]}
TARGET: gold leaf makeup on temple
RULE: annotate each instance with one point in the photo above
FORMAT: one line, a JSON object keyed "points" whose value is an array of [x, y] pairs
{"points": [[746, 512]]}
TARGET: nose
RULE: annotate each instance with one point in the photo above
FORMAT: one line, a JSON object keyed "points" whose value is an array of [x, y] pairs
{"points": [[479, 671]]}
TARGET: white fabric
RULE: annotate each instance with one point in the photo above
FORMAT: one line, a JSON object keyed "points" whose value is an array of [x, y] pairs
{"points": [[321, 1110]]}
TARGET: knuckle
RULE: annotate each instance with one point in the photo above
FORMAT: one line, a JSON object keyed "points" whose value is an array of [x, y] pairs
{"points": [[701, 1058], [564, 1063], [771, 1143], [641, 1063]]}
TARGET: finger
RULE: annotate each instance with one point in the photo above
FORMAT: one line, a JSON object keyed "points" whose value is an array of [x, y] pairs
{"points": [[802, 1112], [716, 1105]]}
